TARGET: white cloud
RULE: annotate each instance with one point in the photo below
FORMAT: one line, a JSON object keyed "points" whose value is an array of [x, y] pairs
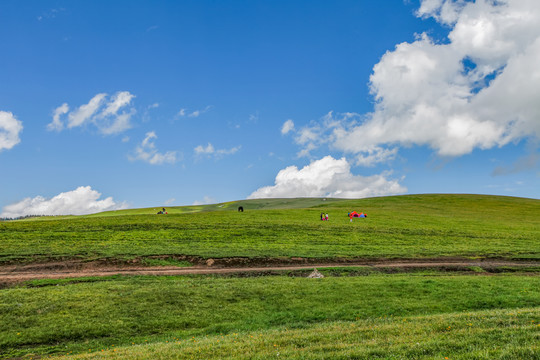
{"points": [[254, 117], [118, 101], [83, 200], [328, 177], [50, 14], [306, 151], [195, 113], [111, 120], [308, 135], [376, 155], [110, 115], [446, 12], [201, 150], [146, 151], [479, 90], [169, 201], [287, 127], [209, 150], [205, 201], [146, 117], [230, 151], [85, 112], [10, 128], [316, 134], [57, 124]]}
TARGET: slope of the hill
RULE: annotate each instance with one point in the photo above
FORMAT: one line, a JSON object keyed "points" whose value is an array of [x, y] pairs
{"points": [[256, 204], [499, 206], [414, 226]]}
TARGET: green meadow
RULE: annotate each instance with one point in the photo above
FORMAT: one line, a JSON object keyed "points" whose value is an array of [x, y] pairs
{"points": [[358, 313], [475, 335], [396, 227], [93, 314]]}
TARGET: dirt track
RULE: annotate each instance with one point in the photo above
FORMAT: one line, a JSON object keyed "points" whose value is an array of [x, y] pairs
{"points": [[10, 274]]}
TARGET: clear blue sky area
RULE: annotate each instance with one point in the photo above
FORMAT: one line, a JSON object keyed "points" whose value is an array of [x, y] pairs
{"points": [[178, 102]]}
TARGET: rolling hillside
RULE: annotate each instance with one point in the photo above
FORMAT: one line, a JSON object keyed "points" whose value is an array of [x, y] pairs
{"points": [[364, 313], [414, 226]]}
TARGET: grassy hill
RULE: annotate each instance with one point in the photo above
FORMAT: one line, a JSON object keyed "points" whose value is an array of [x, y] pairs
{"points": [[441, 202], [413, 226], [359, 314], [257, 204]]}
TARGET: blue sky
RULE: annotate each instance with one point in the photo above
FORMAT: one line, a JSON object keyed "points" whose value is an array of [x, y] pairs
{"points": [[112, 104]]}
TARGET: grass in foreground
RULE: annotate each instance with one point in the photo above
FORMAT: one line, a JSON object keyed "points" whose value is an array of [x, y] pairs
{"points": [[488, 334], [120, 311], [397, 227]]}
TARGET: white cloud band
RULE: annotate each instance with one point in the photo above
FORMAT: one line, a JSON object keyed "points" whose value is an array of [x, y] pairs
{"points": [[81, 201]]}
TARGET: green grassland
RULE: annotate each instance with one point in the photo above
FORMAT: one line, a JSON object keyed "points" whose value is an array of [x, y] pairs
{"points": [[491, 334], [355, 313], [412, 226], [58, 316]]}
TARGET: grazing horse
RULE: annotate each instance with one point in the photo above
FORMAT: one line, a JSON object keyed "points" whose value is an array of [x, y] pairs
{"points": [[240, 209]]}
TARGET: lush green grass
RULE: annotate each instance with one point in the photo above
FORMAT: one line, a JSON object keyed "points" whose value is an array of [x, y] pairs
{"points": [[397, 227], [415, 315], [491, 334], [119, 311]]}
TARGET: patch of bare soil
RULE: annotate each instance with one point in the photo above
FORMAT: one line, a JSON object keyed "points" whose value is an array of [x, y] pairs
{"points": [[15, 273]]}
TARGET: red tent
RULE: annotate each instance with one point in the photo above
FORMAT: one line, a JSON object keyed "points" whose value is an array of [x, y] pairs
{"points": [[355, 214]]}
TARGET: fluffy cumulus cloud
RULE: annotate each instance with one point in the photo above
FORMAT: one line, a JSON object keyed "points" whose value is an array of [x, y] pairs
{"points": [[328, 177], [10, 128], [478, 90], [83, 200], [109, 114], [146, 151]]}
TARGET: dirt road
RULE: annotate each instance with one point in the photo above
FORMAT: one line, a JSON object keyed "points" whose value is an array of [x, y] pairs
{"points": [[59, 270]]}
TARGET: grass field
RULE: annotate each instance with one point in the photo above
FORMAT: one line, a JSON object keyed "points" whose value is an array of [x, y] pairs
{"points": [[492, 334], [397, 227], [42, 318], [351, 313]]}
